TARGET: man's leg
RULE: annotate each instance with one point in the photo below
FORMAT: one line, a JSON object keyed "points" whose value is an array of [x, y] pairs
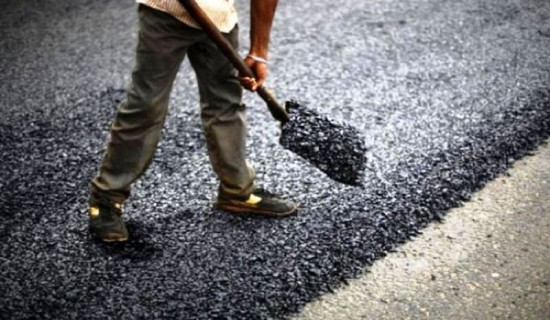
{"points": [[223, 116], [224, 121], [135, 131]]}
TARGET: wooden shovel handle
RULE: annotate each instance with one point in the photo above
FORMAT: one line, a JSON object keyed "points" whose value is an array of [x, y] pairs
{"points": [[277, 110]]}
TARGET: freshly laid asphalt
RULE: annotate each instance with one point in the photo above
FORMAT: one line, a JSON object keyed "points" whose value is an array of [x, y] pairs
{"points": [[448, 94]]}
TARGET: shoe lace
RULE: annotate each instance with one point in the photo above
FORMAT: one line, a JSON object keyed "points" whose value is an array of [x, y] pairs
{"points": [[111, 208], [115, 209], [265, 193]]}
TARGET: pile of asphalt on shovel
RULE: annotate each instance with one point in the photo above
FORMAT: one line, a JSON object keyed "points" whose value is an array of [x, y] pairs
{"points": [[337, 149], [446, 96]]}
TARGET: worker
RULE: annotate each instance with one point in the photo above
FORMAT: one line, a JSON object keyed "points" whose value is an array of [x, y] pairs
{"points": [[166, 35]]}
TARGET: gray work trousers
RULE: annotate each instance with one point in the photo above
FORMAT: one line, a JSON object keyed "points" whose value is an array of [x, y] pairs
{"points": [[162, 45]]}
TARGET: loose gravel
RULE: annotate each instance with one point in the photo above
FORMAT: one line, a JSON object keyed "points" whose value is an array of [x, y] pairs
{"points": [[336, 149], [447, 94]]}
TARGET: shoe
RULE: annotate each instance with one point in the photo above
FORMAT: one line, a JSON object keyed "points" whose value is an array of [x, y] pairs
{"points": [[106, 222], [260, 202]]}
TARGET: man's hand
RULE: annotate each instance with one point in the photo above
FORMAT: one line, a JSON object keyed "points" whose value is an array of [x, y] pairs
{"points": [[260, 71]]}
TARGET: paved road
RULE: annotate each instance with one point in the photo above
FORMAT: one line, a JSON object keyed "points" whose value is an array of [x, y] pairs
{"points": [[447, 93], [489, 259]]}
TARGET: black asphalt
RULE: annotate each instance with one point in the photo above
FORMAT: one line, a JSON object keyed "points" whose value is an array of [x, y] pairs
{"points": [[446, 93]]}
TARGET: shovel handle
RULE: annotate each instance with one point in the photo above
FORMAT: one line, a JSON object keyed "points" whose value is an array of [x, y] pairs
{"points": [[277, 110]]}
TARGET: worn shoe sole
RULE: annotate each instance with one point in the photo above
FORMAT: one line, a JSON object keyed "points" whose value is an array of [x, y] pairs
{"points": [[256, 211], [109, 239]]}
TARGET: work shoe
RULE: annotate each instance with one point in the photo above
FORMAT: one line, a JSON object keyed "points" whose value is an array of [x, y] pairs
{"points": [[260, 202], [106, 222]]}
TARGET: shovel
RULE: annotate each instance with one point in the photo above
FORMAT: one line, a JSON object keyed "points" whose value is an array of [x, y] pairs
{"points": [[336, 149]]}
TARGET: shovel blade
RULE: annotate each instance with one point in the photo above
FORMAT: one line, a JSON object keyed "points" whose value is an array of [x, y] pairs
{"points": [[336, 149]]}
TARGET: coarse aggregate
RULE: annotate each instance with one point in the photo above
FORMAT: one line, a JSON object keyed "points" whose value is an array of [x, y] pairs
{"points": [[337, 149], [447, 94]]}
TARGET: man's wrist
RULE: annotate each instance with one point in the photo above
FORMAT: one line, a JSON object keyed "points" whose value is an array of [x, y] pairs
{"points": [[257, 59], [258, 52]]}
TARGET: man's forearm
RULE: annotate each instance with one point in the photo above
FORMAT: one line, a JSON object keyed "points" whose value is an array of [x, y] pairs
{"points": [[261, 18]]}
